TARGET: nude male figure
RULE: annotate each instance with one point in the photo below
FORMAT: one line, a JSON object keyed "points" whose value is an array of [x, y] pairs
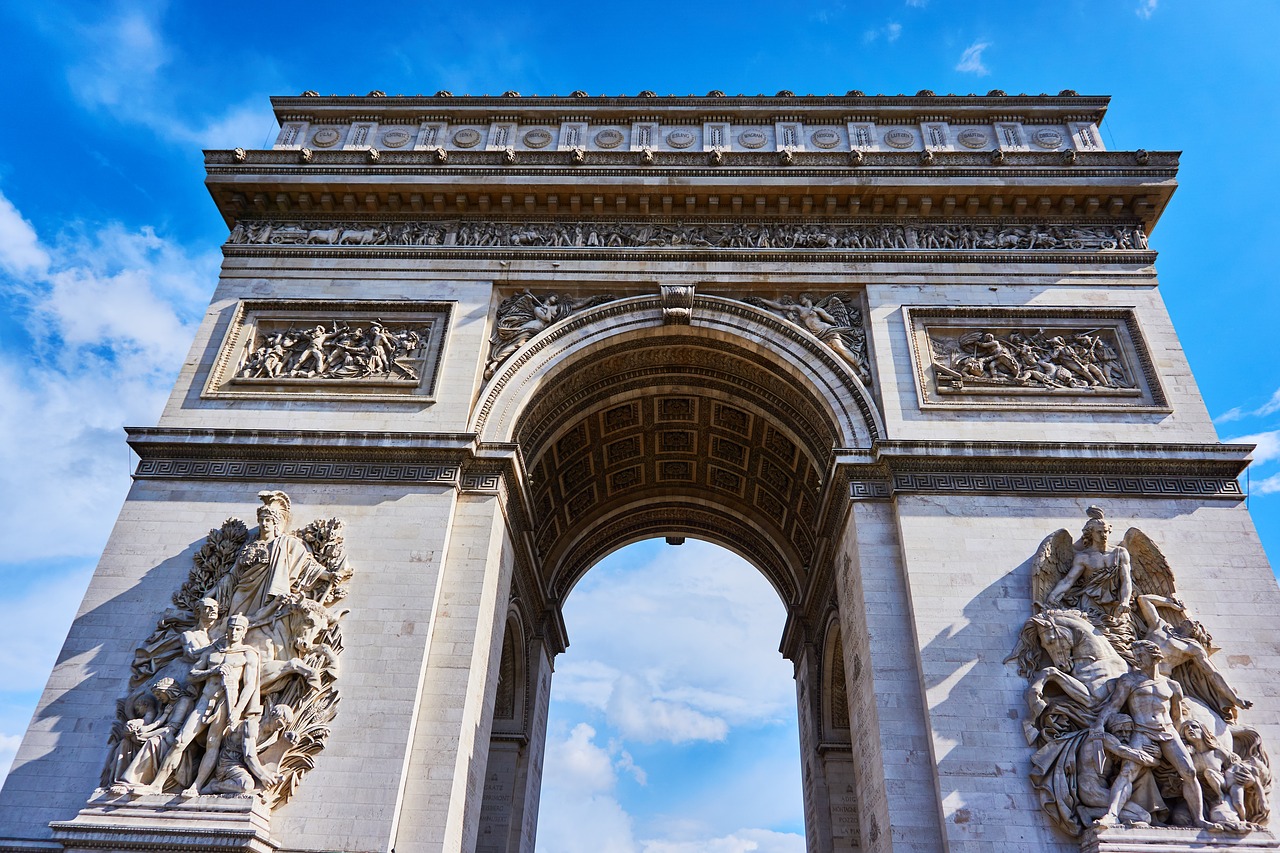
{"points": [[230, 672], [1155, 704]]}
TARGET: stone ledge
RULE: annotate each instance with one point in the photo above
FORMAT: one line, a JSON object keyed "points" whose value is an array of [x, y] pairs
{"points": [[168, 823], [1173, 840]]}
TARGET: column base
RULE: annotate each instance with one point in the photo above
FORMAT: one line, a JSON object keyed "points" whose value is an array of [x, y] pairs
{"points": [[1165, 839], [235, 824]]}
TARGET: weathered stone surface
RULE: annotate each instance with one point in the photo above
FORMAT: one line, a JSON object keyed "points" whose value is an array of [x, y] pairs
{"points": [[498, 348]]}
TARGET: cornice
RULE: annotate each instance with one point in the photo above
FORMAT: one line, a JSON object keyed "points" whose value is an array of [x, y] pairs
{"points": [[1079, 107], [1107, 186], [1205, 471]]}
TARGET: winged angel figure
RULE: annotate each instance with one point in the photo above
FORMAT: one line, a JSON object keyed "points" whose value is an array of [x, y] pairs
{"points": [[1132, 721], [524, 316], [834, 320]]}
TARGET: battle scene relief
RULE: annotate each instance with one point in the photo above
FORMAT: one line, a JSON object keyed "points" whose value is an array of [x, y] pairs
{"points": [[1132, 721], [234, 691]]}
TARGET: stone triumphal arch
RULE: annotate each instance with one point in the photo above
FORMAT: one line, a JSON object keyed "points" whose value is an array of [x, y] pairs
{"points": [[894, 351]]}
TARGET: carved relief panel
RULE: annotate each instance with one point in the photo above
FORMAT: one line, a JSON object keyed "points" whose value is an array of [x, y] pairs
{"points": [[978, 357], [330, 350]]}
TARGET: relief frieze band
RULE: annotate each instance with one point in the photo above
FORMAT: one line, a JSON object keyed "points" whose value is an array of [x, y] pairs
{"points": [[337, 350], [672, 234], [1071, 359]]}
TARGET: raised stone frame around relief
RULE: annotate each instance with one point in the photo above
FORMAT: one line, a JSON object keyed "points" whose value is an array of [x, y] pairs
{"points": [[408, 375], [1131, 383]]}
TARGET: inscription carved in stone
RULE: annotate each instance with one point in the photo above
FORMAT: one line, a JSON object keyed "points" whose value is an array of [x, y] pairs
{"points": [[1131, 719], [942, 236], [234, 691]]}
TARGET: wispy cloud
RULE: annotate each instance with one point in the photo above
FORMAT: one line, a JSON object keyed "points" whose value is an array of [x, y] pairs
{"points": [[125, 70], [1146, 8], [1265, 486], [890, 32], [971, 60], [1267, 445], [917, 4], [1240, 413]]}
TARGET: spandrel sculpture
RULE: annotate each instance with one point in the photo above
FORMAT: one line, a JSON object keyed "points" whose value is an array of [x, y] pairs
{"points": [[524, 316], [234, 691], [1132, 722], [835, 320]]}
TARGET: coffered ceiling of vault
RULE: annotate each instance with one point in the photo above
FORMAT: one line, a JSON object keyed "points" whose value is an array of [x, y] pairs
{"points": [[672, 435]]}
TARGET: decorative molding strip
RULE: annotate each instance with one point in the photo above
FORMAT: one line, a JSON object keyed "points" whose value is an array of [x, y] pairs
{"points": [[589, 234], [1109, 485], [299, 470], [869, 490]]}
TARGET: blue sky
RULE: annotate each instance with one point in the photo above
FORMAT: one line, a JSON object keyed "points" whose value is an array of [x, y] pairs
{"points": [[108, 254]]}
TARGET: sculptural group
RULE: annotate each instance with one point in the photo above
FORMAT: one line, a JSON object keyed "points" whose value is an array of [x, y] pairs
{"points": [[1073, 359], [1132, 721], [695, 235], [233, 692], [336, 352]]}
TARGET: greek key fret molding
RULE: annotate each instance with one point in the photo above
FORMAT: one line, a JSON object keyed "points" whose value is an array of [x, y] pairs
{"points": [[1067, 484], [298, 471], [1158, 471]]}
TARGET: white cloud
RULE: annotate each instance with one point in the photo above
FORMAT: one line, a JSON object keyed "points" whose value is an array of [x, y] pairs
{"points": [[971, 60], [111, 315], [639, 714], [917, 4], [8, 749], [579, 812], [889, 32], [638, 629], [34, 627], [126, 68], [1146, 8], [1268, 445], [1265, 486], [20, 251], [742, 841]]}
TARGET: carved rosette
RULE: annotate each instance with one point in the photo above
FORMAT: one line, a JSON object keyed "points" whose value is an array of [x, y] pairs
{"points": [[1132, 722], [234, 692]]}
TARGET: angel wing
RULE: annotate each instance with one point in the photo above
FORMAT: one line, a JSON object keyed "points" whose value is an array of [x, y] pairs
{"points": [[513, 312], [1150, 569], [1050, 565], [840, 310]]}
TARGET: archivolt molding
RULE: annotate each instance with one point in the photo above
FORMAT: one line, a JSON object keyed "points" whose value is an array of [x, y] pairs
{"points": [[718, 322]]}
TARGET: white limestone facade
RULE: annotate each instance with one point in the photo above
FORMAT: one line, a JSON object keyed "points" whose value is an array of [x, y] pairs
{"points": [[882, 347]]}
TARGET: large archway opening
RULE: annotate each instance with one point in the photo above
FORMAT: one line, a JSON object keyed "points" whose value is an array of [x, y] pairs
{"points": [[728, 429], [672, 723]]}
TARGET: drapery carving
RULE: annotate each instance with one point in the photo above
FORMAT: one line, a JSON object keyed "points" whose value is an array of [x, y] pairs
{"points": [[1131, 719], [234, 691]]}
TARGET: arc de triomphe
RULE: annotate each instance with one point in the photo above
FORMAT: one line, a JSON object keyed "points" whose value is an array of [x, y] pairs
{"points": [[907, 355]]}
